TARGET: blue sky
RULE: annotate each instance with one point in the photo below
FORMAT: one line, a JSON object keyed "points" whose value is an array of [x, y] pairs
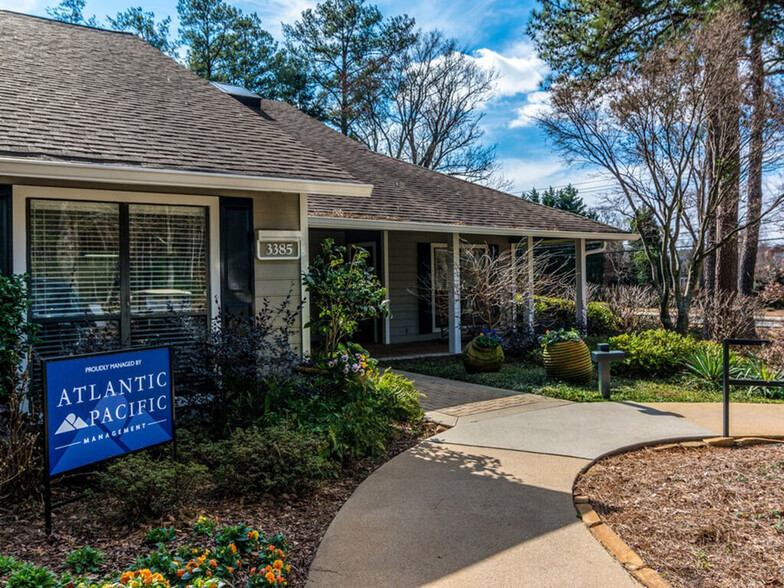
{"points": [[493, 32]]}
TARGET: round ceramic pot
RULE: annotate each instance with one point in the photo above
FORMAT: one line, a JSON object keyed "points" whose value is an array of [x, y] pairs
{"points": [[478, 359], [568, 360]]}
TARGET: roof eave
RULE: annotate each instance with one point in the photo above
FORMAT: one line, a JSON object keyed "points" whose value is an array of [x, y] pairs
{"points": [[330, 222], [115, 174]]}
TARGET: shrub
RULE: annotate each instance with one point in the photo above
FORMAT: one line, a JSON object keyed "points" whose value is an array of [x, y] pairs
{"points": [[31, 576], [145, 488], [654, 353], [705, 366], [85, 559], [343, 290], [551, 314], [275, 460], [399, 398], [242, 361], [601, 320]]}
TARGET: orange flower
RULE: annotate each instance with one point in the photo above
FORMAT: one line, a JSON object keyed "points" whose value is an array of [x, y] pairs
{"points": [[270, 577], [233, 547], [278, 565], [180, 573], [213, 563]]}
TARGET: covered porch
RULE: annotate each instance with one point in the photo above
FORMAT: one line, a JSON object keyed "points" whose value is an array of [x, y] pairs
{"points": [[428, 316]]}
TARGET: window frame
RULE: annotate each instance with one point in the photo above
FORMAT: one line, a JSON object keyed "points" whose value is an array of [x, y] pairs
{"points": [[433, 247], [23, 195]]}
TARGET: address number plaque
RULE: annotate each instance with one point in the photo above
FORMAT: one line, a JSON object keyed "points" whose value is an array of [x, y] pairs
{"points": [[272, 245]]}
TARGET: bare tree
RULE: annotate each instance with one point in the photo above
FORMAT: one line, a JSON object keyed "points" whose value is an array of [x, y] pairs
{"points": [[653, 126], [430, 110]]}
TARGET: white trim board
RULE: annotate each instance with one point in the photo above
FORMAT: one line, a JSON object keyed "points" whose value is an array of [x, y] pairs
{"points": [[328, 222], [14, 167]]}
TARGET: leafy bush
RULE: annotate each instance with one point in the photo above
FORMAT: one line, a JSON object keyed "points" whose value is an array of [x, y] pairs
{"points": [[242, 361], [344, 290], [601, 320], [399, 398], [276, 459], [551, 314], [85, 559], [31, 576], [145, 488], [654, 353], [15, 331]]}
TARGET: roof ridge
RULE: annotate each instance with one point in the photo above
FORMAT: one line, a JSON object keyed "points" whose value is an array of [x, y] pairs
{"points": [[54, 21]]}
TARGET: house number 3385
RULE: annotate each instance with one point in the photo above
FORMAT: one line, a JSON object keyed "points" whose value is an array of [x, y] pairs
{"points": [[279, 249]]}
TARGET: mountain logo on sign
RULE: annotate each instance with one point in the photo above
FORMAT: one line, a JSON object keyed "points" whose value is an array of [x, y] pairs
{"points": [[71, 423]]}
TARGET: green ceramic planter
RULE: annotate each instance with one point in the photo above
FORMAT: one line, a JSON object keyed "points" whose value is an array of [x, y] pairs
{"points": [[568, 360], [478, 359]]}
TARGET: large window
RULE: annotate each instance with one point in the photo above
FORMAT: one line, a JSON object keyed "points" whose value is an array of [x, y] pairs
{"points": [[107, 275]]}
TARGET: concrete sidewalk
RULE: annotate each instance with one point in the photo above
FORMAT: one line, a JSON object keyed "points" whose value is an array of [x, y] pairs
{"points": [[488, 502]]}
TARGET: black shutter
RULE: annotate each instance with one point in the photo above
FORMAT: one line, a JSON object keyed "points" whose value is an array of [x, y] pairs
{"points": [[237, 272], [6, 261], [423, 287]]}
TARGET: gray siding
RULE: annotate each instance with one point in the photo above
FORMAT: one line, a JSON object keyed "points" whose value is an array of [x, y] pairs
{"points": [[404, 282], [275, 279]]}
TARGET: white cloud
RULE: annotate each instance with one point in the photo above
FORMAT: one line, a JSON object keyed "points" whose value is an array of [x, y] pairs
{"points": [[519, 70], [275, 12], [536, 104], [25, 6]]}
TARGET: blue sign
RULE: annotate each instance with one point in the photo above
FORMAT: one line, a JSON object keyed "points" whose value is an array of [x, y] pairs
{"points": [[103, 406]]}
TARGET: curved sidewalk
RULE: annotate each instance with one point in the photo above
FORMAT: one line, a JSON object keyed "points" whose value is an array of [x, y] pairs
{"points": [[489, 501]]}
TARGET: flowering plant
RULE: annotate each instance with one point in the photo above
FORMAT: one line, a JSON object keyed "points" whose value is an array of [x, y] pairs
{"points": [[552, 337], [139, 579], [274, 572], [489, 339], [351, 360]]}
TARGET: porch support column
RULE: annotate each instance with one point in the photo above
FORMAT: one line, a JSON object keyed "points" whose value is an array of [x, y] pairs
{"points": [[388, 318], [303, 268], [580, 286], [455, 332], [529, 284]]}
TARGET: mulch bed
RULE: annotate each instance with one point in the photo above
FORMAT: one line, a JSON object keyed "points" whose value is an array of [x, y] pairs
{"points": [[701, 517], [303, 519]]}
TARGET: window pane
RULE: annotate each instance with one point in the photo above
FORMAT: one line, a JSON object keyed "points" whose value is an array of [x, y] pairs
{"points": [[74, 258], [168, 259]]}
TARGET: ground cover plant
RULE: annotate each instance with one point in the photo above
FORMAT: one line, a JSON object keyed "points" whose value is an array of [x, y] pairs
{"points": [[709, 516]]}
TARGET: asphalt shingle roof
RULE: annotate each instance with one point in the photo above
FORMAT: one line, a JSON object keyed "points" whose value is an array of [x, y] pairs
{"points": [[79, 94], [409, 193]]}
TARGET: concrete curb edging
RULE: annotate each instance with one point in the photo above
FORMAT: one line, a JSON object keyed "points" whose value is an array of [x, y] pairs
{"points": [[616, 546]]}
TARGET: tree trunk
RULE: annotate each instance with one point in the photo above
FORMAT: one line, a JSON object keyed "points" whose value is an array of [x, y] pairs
{"points": [[727, 153], [748, 261]]}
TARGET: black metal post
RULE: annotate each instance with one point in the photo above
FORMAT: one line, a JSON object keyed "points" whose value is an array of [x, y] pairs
{"points": [[726, 385]]}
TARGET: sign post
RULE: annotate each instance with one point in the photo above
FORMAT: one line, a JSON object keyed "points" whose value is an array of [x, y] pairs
{"points": [[101, 406]]}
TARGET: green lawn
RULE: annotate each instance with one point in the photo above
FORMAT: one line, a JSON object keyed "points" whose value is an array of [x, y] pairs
{"points": [[527, 376]]}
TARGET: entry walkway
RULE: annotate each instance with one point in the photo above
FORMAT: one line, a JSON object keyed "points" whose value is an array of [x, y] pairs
{"points": [[489, 501]]}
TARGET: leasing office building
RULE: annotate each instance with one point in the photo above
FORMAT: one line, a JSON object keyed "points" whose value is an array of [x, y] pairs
{"points": [[131, 191]]}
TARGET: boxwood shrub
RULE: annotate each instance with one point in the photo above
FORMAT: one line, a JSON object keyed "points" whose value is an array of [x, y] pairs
{"points": [[551, 314], [656, 353]]}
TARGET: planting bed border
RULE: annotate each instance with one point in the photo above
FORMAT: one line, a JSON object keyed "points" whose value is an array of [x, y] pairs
{"points": [[616, 546]]}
